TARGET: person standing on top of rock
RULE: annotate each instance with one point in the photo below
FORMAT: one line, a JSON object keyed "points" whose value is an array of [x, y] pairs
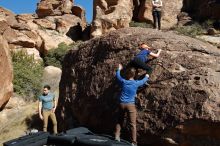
{"points": [[156, 12], [129, 88], [46, 108], [143, 57]]}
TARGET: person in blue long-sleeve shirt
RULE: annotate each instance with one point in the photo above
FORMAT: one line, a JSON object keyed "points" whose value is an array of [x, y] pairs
{"points": [[128, 93]]}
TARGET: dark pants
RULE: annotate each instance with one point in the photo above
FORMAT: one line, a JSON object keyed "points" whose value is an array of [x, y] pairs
{"points": [[157, 18], [137, 63], [131, 112]]}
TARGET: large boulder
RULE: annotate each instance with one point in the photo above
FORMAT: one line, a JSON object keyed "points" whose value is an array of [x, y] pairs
{"points": [[54, 7], [51, 39], [54, 30], [51, 76], [181, 101], [6, 77], [29, 20], [110, 15], [80, 12]]}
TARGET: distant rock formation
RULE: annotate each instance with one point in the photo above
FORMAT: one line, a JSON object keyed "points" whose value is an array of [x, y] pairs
{"points": [[170, 10], [198, 9], [110, 15], [54, 7], [183, 93], [6, 77], [28, 31]]}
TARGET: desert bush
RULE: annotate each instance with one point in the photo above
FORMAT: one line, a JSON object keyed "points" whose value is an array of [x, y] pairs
{"points": [[197, 28], [207, 24], [191, 30], [55, 57], [140, 24], [27, 75]]}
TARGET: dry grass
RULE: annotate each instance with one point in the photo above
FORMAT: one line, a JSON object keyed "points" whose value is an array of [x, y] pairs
{"points": [[16, 121]]}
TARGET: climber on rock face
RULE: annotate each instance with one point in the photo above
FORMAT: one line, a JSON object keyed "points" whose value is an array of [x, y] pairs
{"points": [[129, 88], [142, 58]]}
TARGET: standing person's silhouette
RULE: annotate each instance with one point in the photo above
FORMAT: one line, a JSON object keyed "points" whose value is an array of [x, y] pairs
{"points": [[156, 12], [46, 106]]}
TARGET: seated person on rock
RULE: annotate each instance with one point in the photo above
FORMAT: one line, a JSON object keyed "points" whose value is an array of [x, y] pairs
{"points": [[129, 88]]}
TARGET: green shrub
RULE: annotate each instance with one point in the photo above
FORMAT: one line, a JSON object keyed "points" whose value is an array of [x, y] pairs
{"points": [[140, 24], [55, 57], [196, 28], [208, 24], [191, 30], [27, 75]]}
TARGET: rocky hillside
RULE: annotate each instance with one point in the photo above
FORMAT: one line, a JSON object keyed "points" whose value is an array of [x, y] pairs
{"points": [[114, 14], [54, 23], [40, 32], [183, 94]]}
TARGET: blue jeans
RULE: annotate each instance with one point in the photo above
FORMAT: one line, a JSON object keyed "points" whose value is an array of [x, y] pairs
{"points": [[157, 18]]}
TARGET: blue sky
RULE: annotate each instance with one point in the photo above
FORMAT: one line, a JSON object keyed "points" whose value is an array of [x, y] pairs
{"points": [[29, 6]]}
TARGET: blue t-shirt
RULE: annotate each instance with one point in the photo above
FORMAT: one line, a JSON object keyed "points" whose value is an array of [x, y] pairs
{"points": [[47, 101], [143, 55], [129, 88]]}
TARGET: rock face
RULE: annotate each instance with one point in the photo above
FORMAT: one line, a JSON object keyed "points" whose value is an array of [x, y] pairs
{"points": [[110, 15], [6, 77], [183, 94], [203, 9]]}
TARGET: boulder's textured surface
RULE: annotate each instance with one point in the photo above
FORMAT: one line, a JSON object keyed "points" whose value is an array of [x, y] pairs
{"points": [[6, 77], [183, 94], [110, 15]]}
